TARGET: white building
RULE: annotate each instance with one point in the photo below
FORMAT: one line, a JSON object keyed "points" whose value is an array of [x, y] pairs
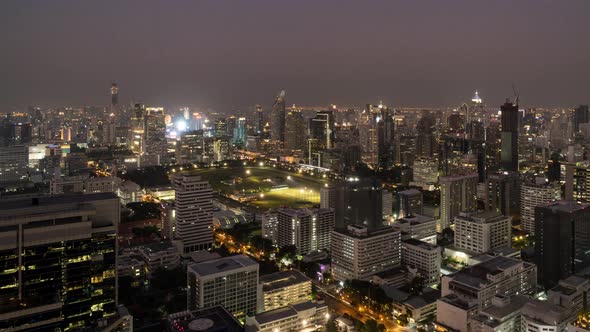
{"points": [[387, 201], [283, 288], [418, 227], [360, 254], [543, 316], [269, 221], [424, 257], [458, 193], [500, 275], [194, 213], [302, 316], [532, 195], [502, 316], [102, 184], [307, 229], [482, 231], [229, 281]]}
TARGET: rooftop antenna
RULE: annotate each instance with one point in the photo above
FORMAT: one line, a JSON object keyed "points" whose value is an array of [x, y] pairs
{"points": [[516, 95]]}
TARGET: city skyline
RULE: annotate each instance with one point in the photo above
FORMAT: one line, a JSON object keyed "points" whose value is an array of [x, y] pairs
{"points": [[232, 56]]}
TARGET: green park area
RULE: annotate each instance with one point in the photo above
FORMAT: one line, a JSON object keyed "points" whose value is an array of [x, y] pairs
{"points": [[265, 187]]}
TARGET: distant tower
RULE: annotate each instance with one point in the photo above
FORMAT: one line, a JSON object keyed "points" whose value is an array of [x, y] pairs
{"points": [[114, 95], [509, 136], [277, 118]]}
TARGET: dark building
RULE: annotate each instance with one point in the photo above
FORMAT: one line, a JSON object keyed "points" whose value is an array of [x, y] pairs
{"points": [[409, 202], [321, 128], [277, 118], [509, 137], [259, 119], [503, 193], [58, 261], [211, 319], [581, 114], [425, 139], [364, 204], [114, 95], [562, 240]]}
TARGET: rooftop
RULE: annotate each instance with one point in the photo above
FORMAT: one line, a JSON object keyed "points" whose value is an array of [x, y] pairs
{"points": [[284, 312], [212, 319], [566, 206], [482, 217], [8, 206], [421, 244], [414, 219], [225, 264], [495, 314], [477, 275], [410, 192], [278, 280]]}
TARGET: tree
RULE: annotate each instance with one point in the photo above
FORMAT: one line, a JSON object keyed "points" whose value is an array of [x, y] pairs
{"points": [[331, 326], [416, 285], [370, 326]]}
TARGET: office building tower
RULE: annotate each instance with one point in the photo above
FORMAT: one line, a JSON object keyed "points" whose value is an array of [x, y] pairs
{"points": [[533, 195], [278, 290], [239, 132], [308, 230], [259, 119], [155, 134], [58, 258], [359, 253], [493, 146], [321, 128], [114, 96], [137, 131], [425, 172], [194, 212], [302, 316], [562, 230], [581, 115], [277, 118], [457, 194], [363, 204], [509, 136], [231, 282], [368, 134], [332, 197], [220, 127], [409, 202], [424, 257], [500, 275], [418, 227], [482, 231], [503, 194], [270, 222], [425, 138], [387, 203], [189, 149], [14, 163], [294, 131]]}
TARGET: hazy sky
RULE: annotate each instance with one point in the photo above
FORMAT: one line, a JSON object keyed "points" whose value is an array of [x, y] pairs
{"points": [[232, 54]]}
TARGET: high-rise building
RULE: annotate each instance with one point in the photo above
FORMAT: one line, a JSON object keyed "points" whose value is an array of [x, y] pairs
{"points": [[259, 120], [277, 118], [229, 281], [58, 258], [503, 194], [14, 162], [321, 128], [457, 194], [239, 134], [363, 204], [308, 230], [409, 202], [358, 253], [562, 245], [509, 136], [194, 212], [155, 134], [581, 115], [482, 231], [294, 131], [114, 96], [533, 195], [425, 138], [137, 131]]}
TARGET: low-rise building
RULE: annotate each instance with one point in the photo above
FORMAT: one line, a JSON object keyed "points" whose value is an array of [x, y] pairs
{"points": [[302, 316], [215, 318], [543, 316], [502, 316], [418, 308], [482, 231], [283, 288]]}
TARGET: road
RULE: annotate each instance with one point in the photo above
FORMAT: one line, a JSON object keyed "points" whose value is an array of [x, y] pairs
{"points": [[336, 305]]}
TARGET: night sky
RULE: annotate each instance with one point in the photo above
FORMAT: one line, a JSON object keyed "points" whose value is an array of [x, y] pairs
{"points": [[229, 55]]}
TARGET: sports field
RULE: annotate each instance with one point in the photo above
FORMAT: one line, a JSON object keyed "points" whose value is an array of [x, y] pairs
{"points": [[272, 187]]}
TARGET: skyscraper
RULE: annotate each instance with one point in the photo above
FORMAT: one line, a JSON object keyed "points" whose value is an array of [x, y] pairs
{"points": [[194, 212], [509, 136], [562, 233], [259, 119], [114, 95], [277, 118], [581, 115], [425, 139], [58, 262], [294, 131], [321, 128], [308, 230], [155, 133]]}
